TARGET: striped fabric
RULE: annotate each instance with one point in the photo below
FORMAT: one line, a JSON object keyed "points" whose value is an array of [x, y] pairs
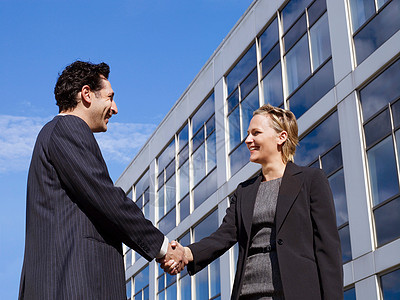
{"points": [[76, 219]]}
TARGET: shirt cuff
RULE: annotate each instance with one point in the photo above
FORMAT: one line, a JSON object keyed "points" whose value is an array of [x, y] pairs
{"points": [[164, 248]]}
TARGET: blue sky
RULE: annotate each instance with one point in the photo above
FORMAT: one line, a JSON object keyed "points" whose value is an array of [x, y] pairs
{"points": [[154, 49]]}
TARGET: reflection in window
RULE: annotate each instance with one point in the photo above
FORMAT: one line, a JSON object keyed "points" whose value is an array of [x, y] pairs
{"points": [[141, 282], [321, 148], [381, 130], [129, 289], [166, 286], [350, 294], [242, 99], [309, 70], [297, 64], [167, 189], [204, 156], [271, 66], [382, 171], [387, 222], [381, 26], [380, 91], [390, 285], [207, 280]]}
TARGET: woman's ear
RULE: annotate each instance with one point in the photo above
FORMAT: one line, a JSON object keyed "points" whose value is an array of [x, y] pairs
{"points": [[282, 137]]}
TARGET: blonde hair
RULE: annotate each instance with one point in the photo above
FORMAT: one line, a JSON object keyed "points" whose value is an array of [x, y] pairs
{"points": [[282, 120]]}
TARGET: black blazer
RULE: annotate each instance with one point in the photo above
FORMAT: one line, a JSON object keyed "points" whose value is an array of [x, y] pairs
{"points": [[308, 245], [76, 219]]}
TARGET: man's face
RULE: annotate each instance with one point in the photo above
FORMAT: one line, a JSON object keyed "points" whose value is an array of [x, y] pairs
{"points": [[102, 107]]}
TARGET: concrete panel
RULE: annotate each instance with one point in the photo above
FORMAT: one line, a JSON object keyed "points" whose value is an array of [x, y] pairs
{"points": [[387, 256], [340, 36], [203, 84], [345, 87], [367, 289], [360, 222], [348, 273], [264, 12], [364, 266], [221, 137]]}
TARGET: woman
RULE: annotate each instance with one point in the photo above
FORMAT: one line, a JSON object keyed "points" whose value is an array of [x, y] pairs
{"points": [[283, 219]]}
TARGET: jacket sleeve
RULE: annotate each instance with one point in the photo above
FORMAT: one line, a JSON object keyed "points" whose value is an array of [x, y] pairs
{"points": [[326, 238], [77, 159], [210, 248]]}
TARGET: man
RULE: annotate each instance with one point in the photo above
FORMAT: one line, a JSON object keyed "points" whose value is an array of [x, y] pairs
{"points": [[76, 219]]}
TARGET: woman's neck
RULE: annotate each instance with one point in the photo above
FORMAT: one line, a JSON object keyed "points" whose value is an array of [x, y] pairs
{"points": [[272, 171]]}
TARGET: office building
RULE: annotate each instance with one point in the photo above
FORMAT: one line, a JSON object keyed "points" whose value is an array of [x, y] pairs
{"points": [[336, 65]]}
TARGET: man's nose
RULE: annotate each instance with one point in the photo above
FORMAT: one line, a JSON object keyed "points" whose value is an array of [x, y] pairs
{"points": [[114, 108]]}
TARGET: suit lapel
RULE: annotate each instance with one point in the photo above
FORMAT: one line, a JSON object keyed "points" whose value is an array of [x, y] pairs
{"points": [[290, 187], [249, 194]]}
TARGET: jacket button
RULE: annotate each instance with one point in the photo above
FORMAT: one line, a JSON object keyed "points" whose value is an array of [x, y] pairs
{"points": [[280, 242]]}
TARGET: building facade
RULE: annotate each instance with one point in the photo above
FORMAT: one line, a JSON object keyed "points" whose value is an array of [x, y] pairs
{"points": [[336, 65]]}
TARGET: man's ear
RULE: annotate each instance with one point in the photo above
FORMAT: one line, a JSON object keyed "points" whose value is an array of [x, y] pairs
{"points": [[86, 94]]}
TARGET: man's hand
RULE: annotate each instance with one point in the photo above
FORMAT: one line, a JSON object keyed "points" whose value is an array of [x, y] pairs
{"points": [[176, 259]]}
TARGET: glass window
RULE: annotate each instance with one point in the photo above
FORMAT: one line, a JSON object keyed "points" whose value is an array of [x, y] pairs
{"points": [[166, 287], [199, 164], [315, 11], [207, 280], [129, 289], [382, 171], [206, 227], [384, 24], [239, 158], [295, 32], [292, 11], [318, 141], [249, 105], [184, 179], [336, 181], [242, 69], [307, 58], [390, 284], [269, 38], [387, 222], [377, 128], [128, 259], [344, 235], [141, 281], [234, 128], [243, 93], [166, 156], [361, 11], [297, 64], [320, 42], [380, 91], [313, 90], [379, 100], [205, 189], [184, 207], [350, 294], [272, 84]]}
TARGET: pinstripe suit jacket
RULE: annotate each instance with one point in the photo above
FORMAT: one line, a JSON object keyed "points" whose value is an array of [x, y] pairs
{"points": [[76, 219]]}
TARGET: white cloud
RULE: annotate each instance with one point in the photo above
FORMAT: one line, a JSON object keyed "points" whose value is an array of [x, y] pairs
{"points": [[123, 140], [18, 135], [17, 138]]}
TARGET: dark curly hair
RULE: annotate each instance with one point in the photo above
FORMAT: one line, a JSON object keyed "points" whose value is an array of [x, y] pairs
{"points": [[74, 77]]}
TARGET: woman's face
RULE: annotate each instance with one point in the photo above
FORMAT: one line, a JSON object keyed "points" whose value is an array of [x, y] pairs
{"points": [[263, 141]]}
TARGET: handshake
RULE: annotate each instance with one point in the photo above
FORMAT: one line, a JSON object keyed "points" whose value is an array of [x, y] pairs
{"points": [[176, 259]]}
